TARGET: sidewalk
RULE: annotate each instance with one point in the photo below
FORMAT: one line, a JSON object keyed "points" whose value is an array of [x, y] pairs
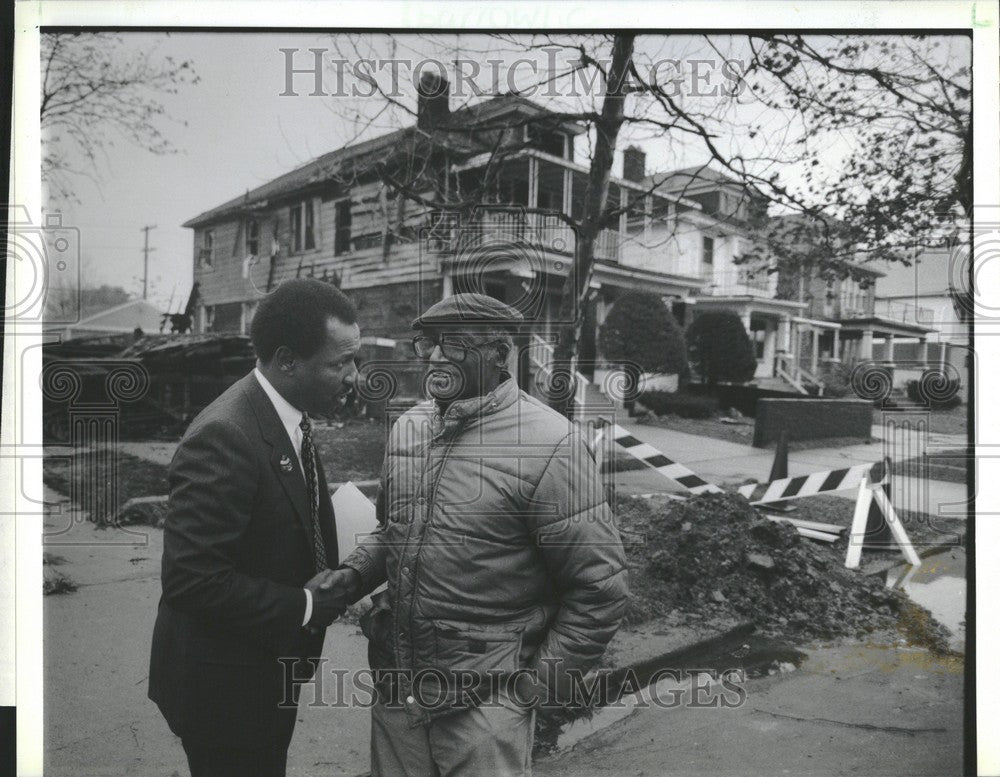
{"points": [[721, 462], [849, 709]]}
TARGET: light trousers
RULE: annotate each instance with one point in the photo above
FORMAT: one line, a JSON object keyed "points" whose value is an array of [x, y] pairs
{"points": [[493, 739]]}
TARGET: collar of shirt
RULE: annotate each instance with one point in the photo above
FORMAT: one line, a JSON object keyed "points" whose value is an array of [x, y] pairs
{"points": [[289, 416]]}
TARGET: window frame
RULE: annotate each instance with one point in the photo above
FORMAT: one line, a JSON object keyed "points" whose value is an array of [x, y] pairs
{"points": [[207, 260], [340, 206], [253, 242], [708, 243], [302, 226]]}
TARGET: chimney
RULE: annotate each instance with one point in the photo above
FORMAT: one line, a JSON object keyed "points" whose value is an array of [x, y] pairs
{"points": [[432, 101], [634, 167]]}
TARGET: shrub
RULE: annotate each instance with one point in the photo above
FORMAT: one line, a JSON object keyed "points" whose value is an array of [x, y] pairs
{"points": [[836, 381], [720, 348], [640, 329], [939, 391], [680, 404]]}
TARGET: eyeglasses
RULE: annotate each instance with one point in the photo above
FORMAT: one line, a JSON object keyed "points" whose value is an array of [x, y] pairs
{"points": [[452, 350]]}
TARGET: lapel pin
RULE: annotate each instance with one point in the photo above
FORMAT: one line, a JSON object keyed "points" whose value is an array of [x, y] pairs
{"points": [[286, 464]]}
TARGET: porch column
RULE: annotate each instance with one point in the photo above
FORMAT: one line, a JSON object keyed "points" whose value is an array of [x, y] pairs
{"points": [[446, 287], [784, 334], [567, 201], [890, 348], [815, 350], [532, 182], [835, 354], [745, 318], [769, 344], [865, 349], [922, 352], [944, 353]]}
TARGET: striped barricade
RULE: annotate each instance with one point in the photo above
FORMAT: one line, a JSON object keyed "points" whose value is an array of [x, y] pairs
{"points": [[816, 483], [655, 460]]}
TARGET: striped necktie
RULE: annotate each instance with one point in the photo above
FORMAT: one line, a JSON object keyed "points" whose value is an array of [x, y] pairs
{"points": [[312, 484]]}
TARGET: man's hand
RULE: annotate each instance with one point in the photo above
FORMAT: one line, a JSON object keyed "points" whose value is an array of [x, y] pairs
{"points": [[332, 590]]}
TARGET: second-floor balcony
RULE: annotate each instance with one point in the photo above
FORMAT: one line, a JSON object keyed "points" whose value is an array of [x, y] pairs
{"points": [[739, 282], [906, 311], [545, 187]]}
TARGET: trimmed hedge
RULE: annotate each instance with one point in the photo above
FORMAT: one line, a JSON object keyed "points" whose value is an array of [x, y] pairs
{"points": [[936, 390], [720, 348], [639, 329], [680, 404]]}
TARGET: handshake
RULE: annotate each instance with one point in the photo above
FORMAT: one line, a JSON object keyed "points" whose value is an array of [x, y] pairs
{"points": [[332, 590]]}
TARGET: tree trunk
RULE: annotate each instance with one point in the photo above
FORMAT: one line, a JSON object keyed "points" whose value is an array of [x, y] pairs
{"points": [[577, 285]]}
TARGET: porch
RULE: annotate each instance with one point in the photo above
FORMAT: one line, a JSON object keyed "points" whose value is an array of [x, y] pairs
{"points": [[860, 335]]}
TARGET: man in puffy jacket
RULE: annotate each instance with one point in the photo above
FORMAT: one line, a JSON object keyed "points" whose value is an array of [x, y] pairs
{"points": [[505, 571]]}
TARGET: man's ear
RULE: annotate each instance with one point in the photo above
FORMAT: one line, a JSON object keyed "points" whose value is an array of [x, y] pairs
{"points": [[284, 359]]}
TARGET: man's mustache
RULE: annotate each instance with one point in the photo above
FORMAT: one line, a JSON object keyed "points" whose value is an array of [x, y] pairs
{"points": [[443, 382]]}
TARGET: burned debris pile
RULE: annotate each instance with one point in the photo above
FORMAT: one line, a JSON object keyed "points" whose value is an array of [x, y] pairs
{"points": [[157, 383], [714, 556]]}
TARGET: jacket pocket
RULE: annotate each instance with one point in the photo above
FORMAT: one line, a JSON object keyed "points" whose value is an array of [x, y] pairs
{"points": [[489, 650]]}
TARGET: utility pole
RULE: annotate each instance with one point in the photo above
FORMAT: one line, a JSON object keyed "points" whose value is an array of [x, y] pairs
{"points": [[145, 260]]}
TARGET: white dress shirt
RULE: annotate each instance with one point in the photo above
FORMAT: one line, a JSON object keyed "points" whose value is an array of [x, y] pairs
{"points": [[290, 419]]}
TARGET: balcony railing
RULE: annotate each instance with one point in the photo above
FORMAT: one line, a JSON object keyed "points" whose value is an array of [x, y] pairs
{"points": [[740, 282], [905, 311], [447, 233]]}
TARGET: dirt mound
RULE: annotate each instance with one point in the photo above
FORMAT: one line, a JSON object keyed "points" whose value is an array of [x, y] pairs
{"points": [[713, 555]]}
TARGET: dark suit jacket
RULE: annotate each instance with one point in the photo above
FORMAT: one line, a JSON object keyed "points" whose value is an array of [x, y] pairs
{"points": [[237, 551]]}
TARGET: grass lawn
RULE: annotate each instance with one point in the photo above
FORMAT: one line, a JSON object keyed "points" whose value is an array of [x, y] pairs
{"points": [[352, 452], [949, 465], [135, 477]]}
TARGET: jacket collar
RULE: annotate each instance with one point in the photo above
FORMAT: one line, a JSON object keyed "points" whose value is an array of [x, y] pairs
{"points": [[462, 411]]}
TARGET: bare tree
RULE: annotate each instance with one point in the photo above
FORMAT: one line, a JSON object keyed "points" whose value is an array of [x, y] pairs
{"points": [[94, 89], [884, 145]]}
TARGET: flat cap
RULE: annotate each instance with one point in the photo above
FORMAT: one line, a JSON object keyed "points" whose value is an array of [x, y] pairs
{"points": [[469, 308]]}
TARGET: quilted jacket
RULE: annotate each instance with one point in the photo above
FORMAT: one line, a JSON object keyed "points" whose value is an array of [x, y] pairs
{"points": [[496, 541]]}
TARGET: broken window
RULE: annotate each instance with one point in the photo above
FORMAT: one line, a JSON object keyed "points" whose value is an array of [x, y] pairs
{"points": [[342, 233], [253, 237], [547, 140]]}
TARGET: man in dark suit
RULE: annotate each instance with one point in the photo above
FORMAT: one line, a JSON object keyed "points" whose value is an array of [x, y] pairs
{"points": [[250, 546]]}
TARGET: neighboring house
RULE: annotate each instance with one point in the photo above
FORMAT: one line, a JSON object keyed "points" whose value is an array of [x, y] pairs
{"points": [[746, 288], [120, 319], [920, 294], [840, 322]]}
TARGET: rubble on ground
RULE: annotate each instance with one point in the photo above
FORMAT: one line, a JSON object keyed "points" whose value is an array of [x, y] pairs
{"points": [[712, 555]]}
